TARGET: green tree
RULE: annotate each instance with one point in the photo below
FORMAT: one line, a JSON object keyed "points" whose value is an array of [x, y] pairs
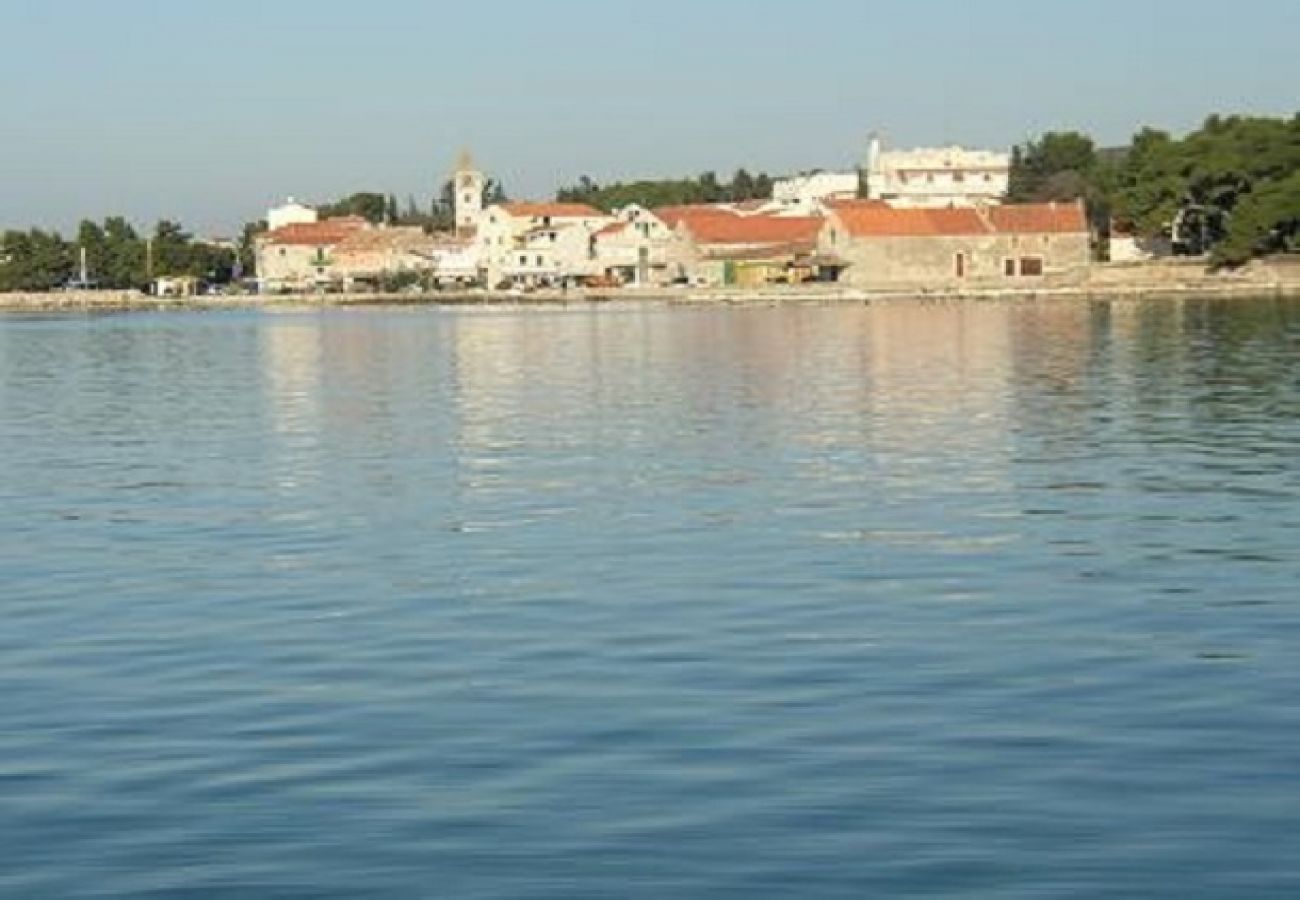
{"points": [[494, 192], [1265, 221], [368, 205], [741, 187], [245, 263], [1058, 166], [35, 260], [1226, 188], [124, 265]]}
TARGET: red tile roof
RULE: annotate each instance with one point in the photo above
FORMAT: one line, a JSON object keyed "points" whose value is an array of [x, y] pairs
{"points": [[754, 229], [1040, 218], [876, 219], [316, 234], [552, 210], [612, 229], [672, 216]]}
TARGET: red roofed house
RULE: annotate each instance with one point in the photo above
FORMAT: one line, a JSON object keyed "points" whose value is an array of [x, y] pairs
{"points": [[299, 256], [719, 247], [876, 245]]}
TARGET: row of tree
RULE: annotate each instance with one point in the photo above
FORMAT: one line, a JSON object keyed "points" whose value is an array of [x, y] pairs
{"points": [[707, 188], [116, 257], [1230, 189], [438, 214]]}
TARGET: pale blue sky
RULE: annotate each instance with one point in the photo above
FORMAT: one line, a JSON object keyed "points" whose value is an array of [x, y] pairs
{"points": [[209, 111]]}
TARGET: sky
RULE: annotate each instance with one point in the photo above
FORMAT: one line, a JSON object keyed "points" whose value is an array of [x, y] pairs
{"points": [[210, 112]]}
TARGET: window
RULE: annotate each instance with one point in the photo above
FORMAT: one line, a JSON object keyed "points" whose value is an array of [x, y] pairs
{"points": [[961, 265], [539, 262], [959, 177], [1009, 268], [523, 260], [1031, 266]]}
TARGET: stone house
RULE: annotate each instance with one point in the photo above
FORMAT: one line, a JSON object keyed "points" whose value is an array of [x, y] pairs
{"points": [[872, 244], [370, 255], [300, 256], [718, 247]]}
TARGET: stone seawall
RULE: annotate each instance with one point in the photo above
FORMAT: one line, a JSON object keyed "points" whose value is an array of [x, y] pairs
{"points": [[1278, 277], [89, 300]]}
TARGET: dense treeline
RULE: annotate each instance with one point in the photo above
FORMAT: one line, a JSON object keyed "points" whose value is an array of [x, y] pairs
{"points": [[1230, 189], [117, 257], [669, 192]]}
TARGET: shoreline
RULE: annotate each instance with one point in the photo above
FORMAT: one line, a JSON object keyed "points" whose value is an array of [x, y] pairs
{"points": [[125, 301]]}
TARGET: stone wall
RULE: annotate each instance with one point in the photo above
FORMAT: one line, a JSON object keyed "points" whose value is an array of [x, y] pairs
{"points": [[934, 261], [78, 300]]}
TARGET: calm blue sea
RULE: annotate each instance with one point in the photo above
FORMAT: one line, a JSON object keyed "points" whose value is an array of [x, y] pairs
{"points": [[941, 600]]}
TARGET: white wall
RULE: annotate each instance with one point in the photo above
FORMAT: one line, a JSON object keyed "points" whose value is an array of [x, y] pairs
{"points": [[291, 213], [949, 176]]}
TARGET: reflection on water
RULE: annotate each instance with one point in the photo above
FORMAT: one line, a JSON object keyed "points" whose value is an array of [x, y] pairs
{"points": [[634, 601]]}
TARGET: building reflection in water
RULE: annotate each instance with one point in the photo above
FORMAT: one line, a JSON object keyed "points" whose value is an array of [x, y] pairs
{"points": [[292, 364]]}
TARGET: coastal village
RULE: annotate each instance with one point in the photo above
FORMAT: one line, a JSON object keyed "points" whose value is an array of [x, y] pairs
{"points": [[1214, 211], [906, 219]]}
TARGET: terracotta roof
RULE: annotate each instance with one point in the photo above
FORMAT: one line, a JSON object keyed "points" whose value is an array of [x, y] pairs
{"points": [[1040, 218], [553, 210], [754, 229], [400, 239], [875, 219], [316, 234], [612, 229], [672, 216]]}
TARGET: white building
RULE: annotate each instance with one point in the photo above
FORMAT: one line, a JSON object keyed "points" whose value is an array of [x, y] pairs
{"points": [[806, 194], [634, 249], [937, 177], [539, 243], [456, 261], [290, 213]]}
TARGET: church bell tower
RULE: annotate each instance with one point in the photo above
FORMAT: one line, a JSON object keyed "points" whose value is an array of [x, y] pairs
{"points": [[470, 184]]}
